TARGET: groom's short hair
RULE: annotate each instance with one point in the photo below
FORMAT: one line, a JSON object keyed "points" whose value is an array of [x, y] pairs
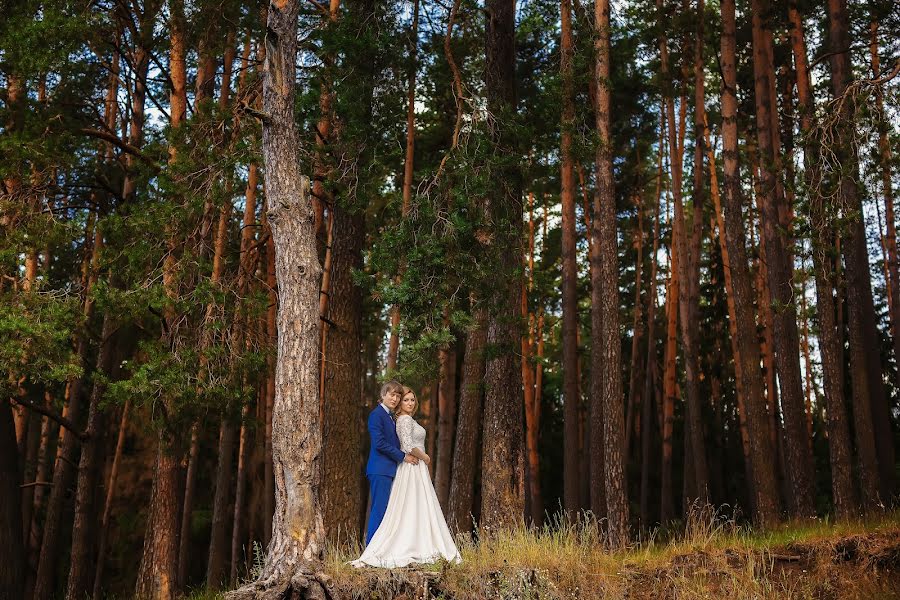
{"points": [[391, 386]]}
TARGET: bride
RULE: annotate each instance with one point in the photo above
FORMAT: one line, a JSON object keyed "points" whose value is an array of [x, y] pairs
{"points": [[413, 529]]}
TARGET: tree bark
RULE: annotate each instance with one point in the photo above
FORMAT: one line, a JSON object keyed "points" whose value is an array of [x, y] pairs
{"points": [[298, 531], [830, 337], [764, 487], [779, 270], [446, 422], [865, 363], [886, 455], [465, 451], [342, 491], [81, 566], [503, 503], [571, 474], [606, 375]]}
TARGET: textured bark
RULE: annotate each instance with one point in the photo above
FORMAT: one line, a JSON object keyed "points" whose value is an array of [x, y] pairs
{"points": [[465, 451], [272, 340], [156, 574], [779, 270], [606, 374], [446, 423], [342, 497], [763, 484], [298, 531], [502, 484], [571, 399], [103, 533], [81, 562], [864, 359], [830, 337]]}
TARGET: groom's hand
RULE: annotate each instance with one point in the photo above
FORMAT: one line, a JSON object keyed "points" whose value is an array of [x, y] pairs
{"points": [[411, 459]]}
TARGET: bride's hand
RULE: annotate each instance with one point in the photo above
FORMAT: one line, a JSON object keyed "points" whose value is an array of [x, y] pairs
{"points": [[427, 460]]}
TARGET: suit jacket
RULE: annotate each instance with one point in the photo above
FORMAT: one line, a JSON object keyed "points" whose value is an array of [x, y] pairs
{"points": [[384, 452]]}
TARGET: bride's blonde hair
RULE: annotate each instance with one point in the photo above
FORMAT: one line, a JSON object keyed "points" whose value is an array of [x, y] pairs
{"points": [[408, 391]]}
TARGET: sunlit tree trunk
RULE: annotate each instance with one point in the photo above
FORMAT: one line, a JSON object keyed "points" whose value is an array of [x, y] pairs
{"points": [[606, 385], [298, 534]]}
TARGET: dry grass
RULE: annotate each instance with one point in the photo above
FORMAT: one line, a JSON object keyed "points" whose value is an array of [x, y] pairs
{"points": [[711, 557]]}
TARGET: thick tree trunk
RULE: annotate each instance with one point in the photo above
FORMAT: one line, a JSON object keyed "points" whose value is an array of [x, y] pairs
{"points": [[298, 531], [764, 487], [865, 362], [779, 269], [156, 574], [571, 399], [830, 337], [606, 373], [502, 484], [342, 492], [465, 451]]}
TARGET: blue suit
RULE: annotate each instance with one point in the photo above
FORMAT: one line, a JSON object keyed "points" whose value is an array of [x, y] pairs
{"points": [[384, 456]]}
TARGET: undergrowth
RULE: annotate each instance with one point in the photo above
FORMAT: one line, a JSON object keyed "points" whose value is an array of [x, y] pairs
{"points": [[708, 556]]}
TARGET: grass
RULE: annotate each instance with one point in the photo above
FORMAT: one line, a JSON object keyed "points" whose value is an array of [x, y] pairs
{"points": [[708, 557]]}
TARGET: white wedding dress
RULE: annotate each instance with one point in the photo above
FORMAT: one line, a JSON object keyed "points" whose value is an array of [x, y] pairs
{"points": [[413, 529]]}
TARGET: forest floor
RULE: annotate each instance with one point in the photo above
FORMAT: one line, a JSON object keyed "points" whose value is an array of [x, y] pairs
{"points": [[707, 558]]}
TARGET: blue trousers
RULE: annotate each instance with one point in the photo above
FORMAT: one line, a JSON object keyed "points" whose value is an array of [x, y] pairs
{"points": [[380, 489]]}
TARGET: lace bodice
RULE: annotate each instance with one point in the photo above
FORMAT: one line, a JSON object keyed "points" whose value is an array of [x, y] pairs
{"points": [[411, 434]]}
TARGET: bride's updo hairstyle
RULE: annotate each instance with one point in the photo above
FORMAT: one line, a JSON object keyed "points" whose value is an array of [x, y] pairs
{"points": [[407, 391]]}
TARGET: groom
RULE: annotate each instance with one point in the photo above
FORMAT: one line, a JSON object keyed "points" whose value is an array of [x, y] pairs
{"points": [[384, 454]]}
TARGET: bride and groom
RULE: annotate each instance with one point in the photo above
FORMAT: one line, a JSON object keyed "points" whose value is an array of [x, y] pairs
{"points": [[406, 524]]}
